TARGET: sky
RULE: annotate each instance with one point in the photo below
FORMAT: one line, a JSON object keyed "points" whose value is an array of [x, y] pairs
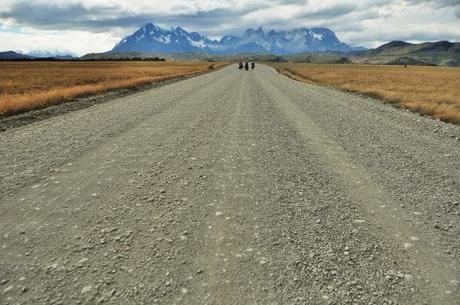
{"points": [[84, 26]]}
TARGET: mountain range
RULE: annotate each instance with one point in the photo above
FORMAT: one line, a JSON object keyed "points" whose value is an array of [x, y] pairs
{"points": [[12, 55], [35, 55], [442, 53], [153, 39], [315, 45], [59, 54]]}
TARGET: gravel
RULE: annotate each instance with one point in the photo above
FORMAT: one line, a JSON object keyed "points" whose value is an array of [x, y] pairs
{"points": [[231, 188]]}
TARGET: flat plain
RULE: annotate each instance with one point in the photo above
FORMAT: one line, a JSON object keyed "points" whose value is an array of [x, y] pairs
{"points": [[29, 85], [433, 91]]}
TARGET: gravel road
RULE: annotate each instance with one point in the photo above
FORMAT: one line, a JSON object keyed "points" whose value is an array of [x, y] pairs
{"points": [[232, 187]]}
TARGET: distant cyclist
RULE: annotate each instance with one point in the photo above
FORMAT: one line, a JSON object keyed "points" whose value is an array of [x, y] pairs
{"points": [[246, 66], [241, 64], [253, 65]]}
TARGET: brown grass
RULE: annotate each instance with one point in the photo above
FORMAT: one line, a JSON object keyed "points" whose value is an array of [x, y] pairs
{"points": [[433, 91], [29, 85]]}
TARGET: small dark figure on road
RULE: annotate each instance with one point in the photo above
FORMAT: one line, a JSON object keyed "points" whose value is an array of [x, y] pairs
{"points": [[241, 65], [246, 66], [253, 65]]}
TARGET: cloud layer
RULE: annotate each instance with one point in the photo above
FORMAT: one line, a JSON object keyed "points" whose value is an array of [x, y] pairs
{"points": [[94, 25]]}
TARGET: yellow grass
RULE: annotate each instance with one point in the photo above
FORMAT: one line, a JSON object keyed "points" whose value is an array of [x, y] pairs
{"points": [[433, 91], [29, 85]]}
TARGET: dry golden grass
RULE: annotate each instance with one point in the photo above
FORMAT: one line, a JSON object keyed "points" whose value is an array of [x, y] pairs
{"points": [[29, 85], [433, 91]]}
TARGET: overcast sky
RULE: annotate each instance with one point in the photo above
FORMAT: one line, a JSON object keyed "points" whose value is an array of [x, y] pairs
{"points": [[83, 26]]}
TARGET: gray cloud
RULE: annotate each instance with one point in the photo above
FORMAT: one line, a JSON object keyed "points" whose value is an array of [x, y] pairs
{"points": [[356, 22], [75, 16], [437, 3], [69, 16], [330, 12]]}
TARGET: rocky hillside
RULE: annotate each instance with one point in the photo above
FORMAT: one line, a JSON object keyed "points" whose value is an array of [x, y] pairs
{"points": [[442, 53]]}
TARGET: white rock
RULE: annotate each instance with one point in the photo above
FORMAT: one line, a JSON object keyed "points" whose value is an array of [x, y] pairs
{"points": [[86, 289], [83, 260], [9, 288], [408, 245], [408, 277], [263, 261]]}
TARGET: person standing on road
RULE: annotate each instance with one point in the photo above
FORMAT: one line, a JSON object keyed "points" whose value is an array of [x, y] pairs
{"points": [[253, 65], [246, 66]]}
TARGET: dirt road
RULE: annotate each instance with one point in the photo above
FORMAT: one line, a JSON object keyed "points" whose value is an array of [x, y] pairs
{"points": [[231, 188]]}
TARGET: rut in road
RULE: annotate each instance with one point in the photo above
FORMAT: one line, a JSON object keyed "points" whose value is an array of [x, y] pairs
{"points": [[231, 188]]}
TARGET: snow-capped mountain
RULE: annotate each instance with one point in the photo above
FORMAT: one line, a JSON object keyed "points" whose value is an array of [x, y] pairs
{"points": [[152, 38]]}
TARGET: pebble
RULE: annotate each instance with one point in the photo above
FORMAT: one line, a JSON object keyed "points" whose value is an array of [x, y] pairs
{"points": [[9, 288], [86, 289], [408, 277], [82, 261], [408, 245], [263, 261], [395, 274]]}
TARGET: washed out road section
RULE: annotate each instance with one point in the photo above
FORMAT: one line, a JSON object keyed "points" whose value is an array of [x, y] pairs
{"points": [[233, 187]]}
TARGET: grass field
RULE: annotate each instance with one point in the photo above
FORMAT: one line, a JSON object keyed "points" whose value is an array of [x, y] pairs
{"points": [[29, 85], [433, 91]]}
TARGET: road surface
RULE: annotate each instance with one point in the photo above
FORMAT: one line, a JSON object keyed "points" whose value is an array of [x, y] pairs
{"points": [[232, 187]]}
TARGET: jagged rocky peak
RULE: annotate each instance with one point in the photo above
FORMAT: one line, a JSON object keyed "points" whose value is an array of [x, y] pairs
{"points": [[152, 38], [258, 31]]}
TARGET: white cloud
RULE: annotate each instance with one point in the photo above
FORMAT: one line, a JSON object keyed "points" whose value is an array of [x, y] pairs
{"points": [[74, 41], [95, 25]]}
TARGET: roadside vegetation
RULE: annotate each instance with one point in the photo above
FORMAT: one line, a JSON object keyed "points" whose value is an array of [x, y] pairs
{"points": [[433, 91], [30, 85]]}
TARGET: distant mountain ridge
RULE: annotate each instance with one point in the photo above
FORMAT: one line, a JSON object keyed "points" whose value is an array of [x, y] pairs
{"points": [[153, 39], [254, 44], [42, 55], [58, 54], [443, 53], [11, 55]]}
